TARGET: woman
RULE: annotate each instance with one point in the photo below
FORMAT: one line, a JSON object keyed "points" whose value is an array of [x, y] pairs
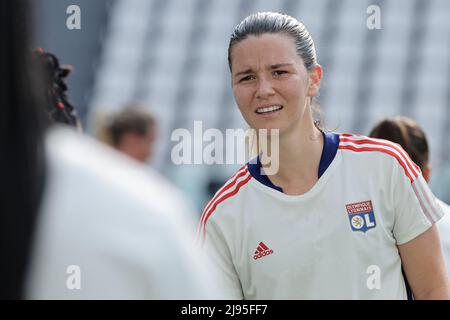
{"points": [[411, 137], [341, 216]]}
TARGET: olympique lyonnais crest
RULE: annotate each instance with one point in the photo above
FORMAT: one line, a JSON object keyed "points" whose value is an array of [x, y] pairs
{"points": [[361, 216]]}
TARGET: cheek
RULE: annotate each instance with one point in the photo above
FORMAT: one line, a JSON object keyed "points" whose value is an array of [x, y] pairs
{"points": [[242, 97], [295, 90], [298, 84]]}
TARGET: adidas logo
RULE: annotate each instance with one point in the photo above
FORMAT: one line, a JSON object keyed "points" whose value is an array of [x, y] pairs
{"points": [[261, 251]]}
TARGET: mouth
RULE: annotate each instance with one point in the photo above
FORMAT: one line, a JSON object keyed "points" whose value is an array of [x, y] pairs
{"points": [[269, 109]]}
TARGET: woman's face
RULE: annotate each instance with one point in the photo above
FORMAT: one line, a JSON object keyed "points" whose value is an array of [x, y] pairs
{"points": [[270, 82]]}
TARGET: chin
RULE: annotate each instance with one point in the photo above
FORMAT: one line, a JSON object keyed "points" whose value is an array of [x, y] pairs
{"points": [[269, 128], [268, 125]]}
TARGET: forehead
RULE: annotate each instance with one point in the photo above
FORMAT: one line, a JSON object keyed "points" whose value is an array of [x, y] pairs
{"points": [[264, 50]]}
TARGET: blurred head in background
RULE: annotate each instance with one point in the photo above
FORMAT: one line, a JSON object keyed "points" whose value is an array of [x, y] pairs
{"points": [[407, 133], [132, 131]]}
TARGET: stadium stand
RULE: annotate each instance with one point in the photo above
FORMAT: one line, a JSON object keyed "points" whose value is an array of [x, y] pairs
{"points": [[171, 55]]}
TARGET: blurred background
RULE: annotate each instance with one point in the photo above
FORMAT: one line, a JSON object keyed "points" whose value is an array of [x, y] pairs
{"points": [[171, 56]]}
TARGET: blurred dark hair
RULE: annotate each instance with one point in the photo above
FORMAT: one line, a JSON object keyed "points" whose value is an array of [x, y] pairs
{"points": [[407, 133], [21, 143], [54, 88], [132, 119]]}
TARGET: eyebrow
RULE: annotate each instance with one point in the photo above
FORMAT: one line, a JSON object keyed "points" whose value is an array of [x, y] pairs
{"points": [[272, 67], [280, 65], [248, 71]]}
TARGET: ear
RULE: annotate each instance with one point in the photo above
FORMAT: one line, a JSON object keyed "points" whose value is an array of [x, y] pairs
{"points": [[315, 78]]}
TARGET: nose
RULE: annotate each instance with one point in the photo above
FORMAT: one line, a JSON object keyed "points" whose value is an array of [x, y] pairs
{"points": [[264, 89]]}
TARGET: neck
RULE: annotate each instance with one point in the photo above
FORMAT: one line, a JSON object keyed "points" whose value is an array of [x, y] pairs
{"points": [[298, 162]]}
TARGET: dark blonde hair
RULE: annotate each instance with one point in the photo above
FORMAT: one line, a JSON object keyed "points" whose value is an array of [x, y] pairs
{"points": [[407, 133], [132, 119]]}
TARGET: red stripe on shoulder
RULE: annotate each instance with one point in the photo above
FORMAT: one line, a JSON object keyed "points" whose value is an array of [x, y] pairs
{"points": [[381, 142], [348, 135], [231, 182], [241, 172], [209, 212], [383, 151]]}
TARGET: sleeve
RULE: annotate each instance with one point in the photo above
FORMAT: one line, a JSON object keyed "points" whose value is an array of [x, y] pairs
{"points": [[415, 207], [214, 245], [444, 233]]}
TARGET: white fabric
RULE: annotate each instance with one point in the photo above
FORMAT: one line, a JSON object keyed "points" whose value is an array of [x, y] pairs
{"points": [[125, 228], [444, 233], [313, 251]]}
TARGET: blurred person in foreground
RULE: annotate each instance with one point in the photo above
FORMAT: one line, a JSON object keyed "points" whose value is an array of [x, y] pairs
{"points": [[407, 133], [54, 88], [68, 203], [131, 131]]}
